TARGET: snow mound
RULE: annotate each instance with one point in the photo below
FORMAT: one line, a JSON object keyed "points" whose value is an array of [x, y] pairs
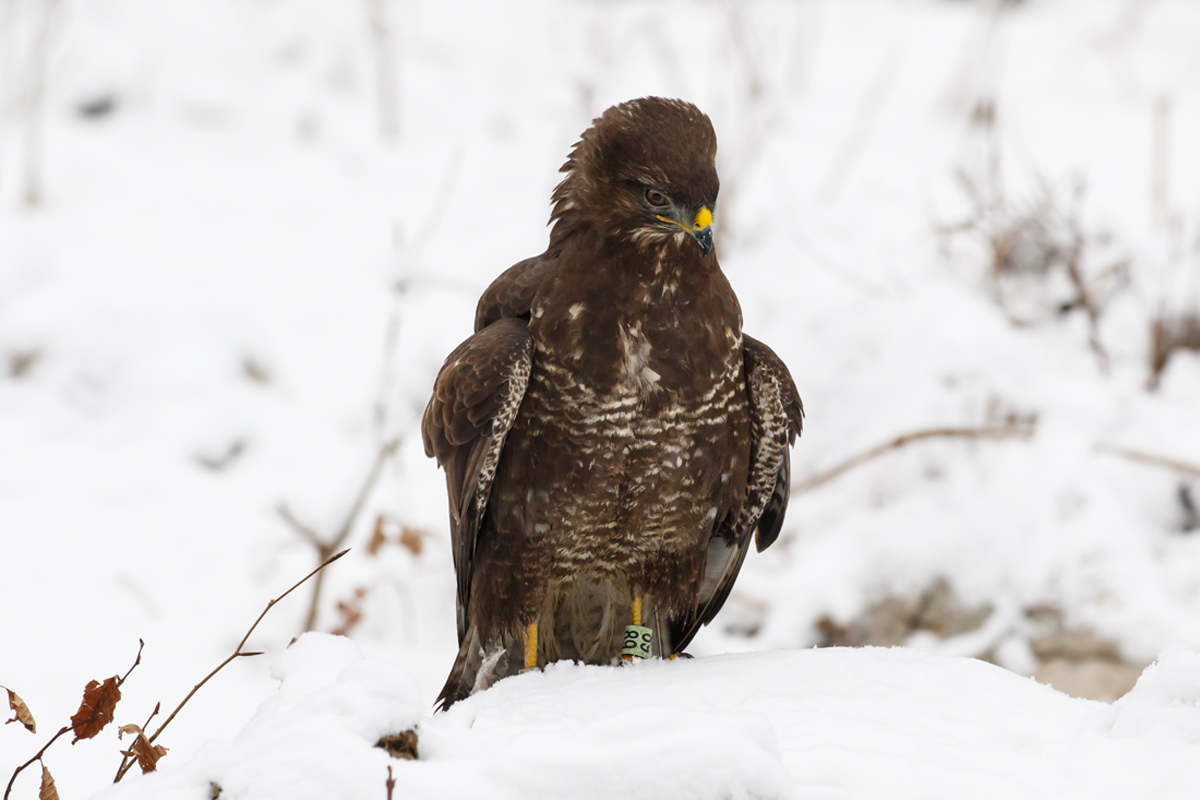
{"points": [[313, 739], [834, 722], [1165, 703]]}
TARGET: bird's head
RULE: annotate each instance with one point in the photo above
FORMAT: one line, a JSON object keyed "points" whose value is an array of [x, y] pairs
{"points": [[645, 171]]}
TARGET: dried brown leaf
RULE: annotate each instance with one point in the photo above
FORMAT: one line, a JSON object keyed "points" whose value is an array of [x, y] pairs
{"points": [[351, 612], [23, 714], [147, 754], [48, 791], [96, 710], [378, 537], [412, 539]]}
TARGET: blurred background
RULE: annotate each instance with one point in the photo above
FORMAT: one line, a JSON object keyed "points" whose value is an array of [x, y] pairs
{"points": [[238, 237]]}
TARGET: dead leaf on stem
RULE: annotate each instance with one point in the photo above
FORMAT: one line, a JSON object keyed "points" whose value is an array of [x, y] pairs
{"points": [[408, 537], [48, 792], [411, 539], [147, 754], [23, 714], [96, 710]]}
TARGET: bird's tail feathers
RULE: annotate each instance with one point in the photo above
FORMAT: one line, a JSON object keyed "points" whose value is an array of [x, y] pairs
{"points": [[479, 665]]}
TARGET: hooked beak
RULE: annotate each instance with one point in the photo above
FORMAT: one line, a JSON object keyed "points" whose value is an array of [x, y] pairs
{"points": [[700, 227]]}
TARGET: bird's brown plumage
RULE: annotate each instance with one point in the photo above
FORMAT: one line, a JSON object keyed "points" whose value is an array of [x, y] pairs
{"points": [[608, 431]]}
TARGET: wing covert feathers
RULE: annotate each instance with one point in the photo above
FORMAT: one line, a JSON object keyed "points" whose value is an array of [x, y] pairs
{"points": [[511, 294], [475, 401], [776, 419]]}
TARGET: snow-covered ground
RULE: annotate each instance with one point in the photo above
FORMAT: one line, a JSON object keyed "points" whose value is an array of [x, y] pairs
{"points": [[829, 723], [235, 291]]}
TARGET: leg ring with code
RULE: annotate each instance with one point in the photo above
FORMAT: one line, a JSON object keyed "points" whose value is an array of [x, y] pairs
{"points": [[637, 641]]}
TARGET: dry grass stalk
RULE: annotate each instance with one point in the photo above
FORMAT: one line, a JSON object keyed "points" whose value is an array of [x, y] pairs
{"points": [[1033, 243], [325, 548], [1167, 335]]}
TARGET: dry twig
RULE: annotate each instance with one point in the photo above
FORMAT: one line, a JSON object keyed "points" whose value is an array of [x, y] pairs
{"points": [[1009, 431], [1153, 460], [326, 548], [1167, 335], [97, 711], [1030, 240], [126, 761], [855, 144], [387, 83], [35, 102], [1085, 299]]}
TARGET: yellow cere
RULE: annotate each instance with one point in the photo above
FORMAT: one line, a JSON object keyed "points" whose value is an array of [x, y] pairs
{"points": [[703, 220]]}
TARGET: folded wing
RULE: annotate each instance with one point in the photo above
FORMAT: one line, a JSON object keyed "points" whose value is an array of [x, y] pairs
{"points": [[776, 419], [475, 401]]}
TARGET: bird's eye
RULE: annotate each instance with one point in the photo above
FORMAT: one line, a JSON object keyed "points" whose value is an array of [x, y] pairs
{"points": [[656, 198]]}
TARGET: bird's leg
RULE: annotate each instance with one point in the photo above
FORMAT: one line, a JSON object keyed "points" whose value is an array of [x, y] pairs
{"points": [[637, 637], [531, 645]]}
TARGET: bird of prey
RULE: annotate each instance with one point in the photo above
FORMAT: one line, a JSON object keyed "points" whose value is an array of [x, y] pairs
{"points": [[611, 439]]}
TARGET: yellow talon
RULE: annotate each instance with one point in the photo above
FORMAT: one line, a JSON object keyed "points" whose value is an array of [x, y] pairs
{"points": [[531, 646]]}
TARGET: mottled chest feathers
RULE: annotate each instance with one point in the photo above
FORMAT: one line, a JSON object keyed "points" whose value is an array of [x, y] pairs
{"points": [[636, 352]]}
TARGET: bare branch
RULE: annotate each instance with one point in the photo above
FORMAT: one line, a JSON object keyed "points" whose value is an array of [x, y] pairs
{"points": [[305, 532], [136, 661], [386, 82], [35, 104], [325, 548], [1086, 299], [69, 728], [1153, 460], [855, 144], [127, 762], [1008, 431]]}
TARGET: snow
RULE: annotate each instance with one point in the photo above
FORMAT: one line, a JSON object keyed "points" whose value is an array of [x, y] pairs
{"points": [[835, 722], [234, 292]]}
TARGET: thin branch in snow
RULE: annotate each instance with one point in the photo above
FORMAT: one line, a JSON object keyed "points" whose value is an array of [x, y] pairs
{"points": [[1012, 430], [1168, 334], [856, 143], [1160, 161], [34, 106], [1142, 457], [1085, 297], [126, 761], [325, 548], [92, 719], [383, 45], [406, 255]]}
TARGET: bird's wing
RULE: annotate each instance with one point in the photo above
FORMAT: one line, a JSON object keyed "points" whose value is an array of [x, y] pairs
{"points": [[511, 294], [475, 401], [776, 419]]}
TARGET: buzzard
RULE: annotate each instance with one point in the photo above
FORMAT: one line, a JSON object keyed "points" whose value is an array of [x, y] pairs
{"points": [[610, 437]]}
